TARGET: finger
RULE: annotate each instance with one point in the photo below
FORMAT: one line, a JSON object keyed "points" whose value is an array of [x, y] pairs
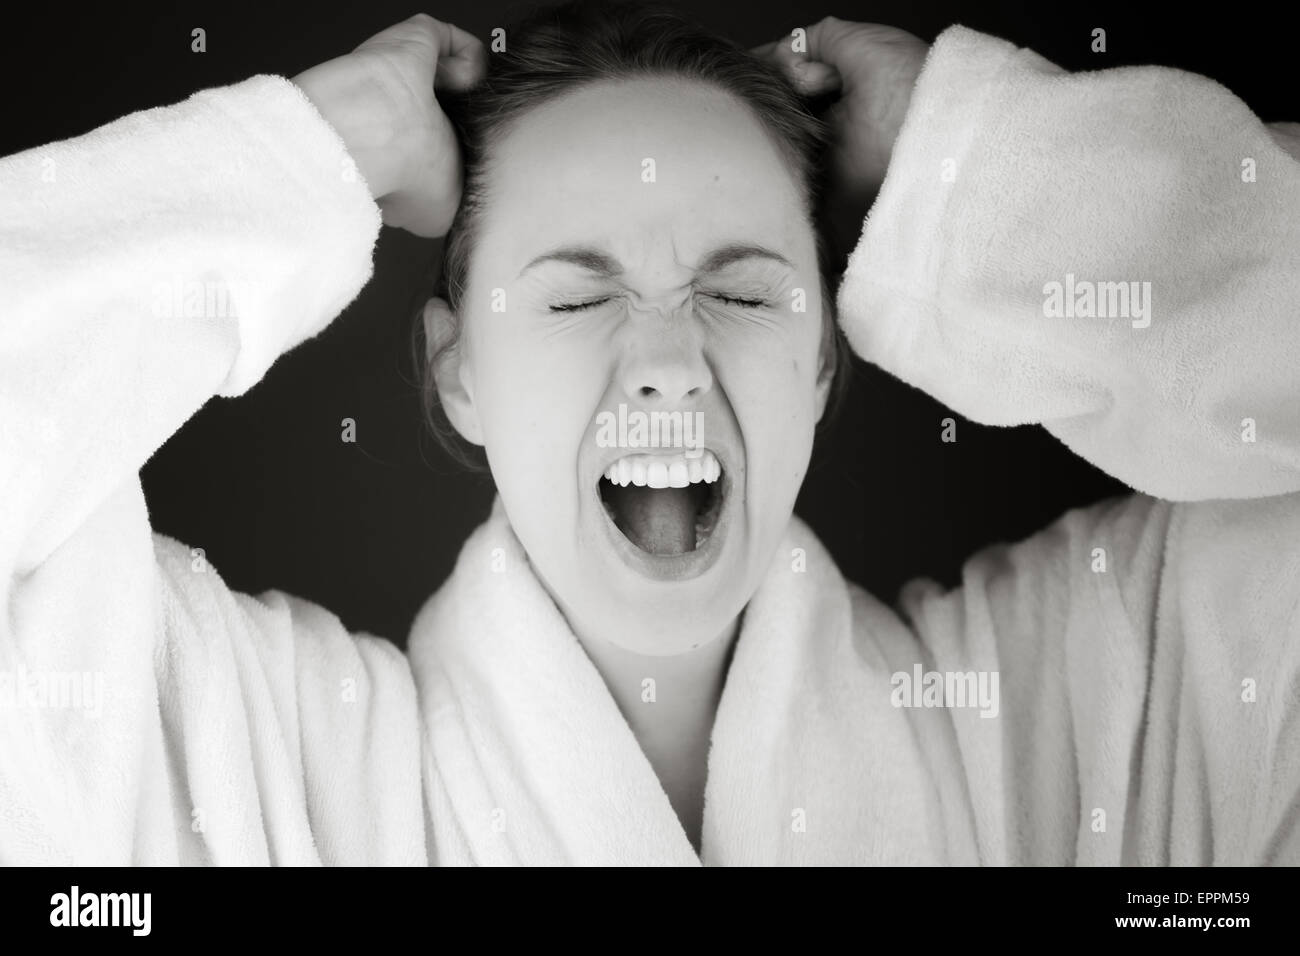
{"points": [[803, 67], [813, 78], [810, 77], [421, 29], [462, 58], [827, 39], [781, 52], [458, 58]]}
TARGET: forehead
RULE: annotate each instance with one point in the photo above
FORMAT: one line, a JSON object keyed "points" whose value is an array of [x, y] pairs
{"points": [[637, 163]]}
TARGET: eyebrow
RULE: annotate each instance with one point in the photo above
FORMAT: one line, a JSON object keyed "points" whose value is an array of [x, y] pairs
{"points": [[606, 266]]}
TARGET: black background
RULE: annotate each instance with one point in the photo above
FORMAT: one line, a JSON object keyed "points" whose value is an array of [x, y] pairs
{"points": [[265, 485]]}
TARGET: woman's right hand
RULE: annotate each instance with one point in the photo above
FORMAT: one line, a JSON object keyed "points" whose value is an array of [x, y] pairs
{"points": [[380, 100]]}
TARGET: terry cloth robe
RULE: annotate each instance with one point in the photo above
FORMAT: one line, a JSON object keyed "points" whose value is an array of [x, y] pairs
{"points": [[1148, 713]]}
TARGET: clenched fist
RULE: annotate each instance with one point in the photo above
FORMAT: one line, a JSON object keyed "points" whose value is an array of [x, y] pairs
{"points": [[380, 99]]}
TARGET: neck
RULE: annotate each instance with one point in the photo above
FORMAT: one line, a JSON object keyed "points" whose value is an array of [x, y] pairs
{"points": [[652, 691], [670, 704]]}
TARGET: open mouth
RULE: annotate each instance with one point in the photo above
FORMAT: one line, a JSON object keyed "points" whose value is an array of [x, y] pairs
{"points": [[664, 504]]}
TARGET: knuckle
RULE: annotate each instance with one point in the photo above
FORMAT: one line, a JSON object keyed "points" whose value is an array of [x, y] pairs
{"points": [[424, 25]]}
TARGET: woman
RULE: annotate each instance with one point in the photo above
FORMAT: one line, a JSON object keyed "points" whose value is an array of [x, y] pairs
{"points": [[642, 657]]}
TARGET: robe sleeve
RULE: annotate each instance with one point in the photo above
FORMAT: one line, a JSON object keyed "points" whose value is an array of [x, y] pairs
{"points": [[151, 715], [1112, 255]]}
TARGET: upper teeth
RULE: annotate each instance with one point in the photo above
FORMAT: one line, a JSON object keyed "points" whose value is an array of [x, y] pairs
{"points": [[660, 471]]}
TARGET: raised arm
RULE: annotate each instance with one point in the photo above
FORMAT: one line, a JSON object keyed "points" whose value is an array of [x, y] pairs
{"points": [[173, 255], [147, 713], [1113, 255], [147, 266]]}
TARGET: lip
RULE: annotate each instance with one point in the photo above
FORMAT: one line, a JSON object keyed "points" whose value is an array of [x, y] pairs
{"points": [[672, 567]]}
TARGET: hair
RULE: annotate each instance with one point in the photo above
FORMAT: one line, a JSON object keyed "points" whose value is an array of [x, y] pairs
{"points": [[556, 50]]}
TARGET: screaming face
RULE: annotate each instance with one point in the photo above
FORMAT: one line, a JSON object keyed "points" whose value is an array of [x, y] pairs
{"points": [[644, 244]]}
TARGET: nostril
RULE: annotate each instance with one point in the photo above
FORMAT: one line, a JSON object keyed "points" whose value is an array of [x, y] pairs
{"points": [[648, 391]]}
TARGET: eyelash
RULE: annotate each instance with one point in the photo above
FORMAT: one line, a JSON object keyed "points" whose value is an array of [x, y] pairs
{"points": [[578, 306], [743, 303]]}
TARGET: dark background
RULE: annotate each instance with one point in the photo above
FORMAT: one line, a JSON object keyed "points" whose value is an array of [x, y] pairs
{"points": [[370, 529]]}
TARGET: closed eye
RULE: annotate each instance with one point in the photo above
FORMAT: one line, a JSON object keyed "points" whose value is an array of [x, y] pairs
{"points": [[579, 306], [738, 301]]}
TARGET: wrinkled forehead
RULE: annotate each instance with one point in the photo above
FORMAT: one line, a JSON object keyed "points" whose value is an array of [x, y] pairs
{"points": [[637, 164]]}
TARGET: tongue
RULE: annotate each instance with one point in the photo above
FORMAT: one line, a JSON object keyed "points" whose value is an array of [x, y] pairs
{"points": [[657, 520]]}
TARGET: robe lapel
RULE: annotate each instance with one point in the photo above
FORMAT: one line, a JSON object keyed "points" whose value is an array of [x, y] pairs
{"points": [[810, 763], [530, 759]]}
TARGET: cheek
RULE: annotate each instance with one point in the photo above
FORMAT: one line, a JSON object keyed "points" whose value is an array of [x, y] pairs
{"points": [[535, 397], [526, 375], [772, 387], [773, 367]]}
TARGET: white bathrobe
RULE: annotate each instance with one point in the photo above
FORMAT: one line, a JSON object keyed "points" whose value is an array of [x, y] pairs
{"points": [[1146, 653]]}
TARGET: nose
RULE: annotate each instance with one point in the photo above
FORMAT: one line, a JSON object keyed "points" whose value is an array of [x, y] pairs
{"points": [[663, 363]]}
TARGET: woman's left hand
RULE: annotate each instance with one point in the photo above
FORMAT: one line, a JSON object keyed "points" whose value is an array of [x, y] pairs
{"points": [[873, 68]]}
